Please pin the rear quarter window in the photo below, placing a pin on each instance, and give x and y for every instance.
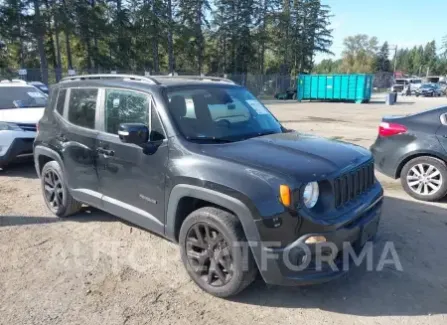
(61, 101)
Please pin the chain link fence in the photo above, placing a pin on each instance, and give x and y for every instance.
(264, 86)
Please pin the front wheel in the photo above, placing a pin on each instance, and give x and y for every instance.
(425, 178)
(215, 252)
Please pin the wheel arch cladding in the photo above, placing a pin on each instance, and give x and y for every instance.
(412, 156)
(238, 208)
(42, 155)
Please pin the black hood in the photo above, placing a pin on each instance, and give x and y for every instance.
(305, 157)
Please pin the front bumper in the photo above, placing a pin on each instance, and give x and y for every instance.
(278, 265)
(20, 148)
(426, 93)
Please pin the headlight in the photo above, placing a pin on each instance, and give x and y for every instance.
(9, 126)
(310, 194)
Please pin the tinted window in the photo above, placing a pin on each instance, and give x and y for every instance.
(21, 97)
(157, 132)
(82, 107)
(61, 101)
(213, 114)
(123, 106)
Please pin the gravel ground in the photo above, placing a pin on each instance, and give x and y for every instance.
(95, 269)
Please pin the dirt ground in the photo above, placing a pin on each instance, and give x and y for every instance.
(95, 269)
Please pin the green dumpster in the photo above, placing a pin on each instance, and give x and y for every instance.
(335, 87)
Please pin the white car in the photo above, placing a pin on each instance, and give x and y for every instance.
(21, 107)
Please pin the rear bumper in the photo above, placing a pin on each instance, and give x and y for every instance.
(279, 266)
(20, 148)
(382, 161)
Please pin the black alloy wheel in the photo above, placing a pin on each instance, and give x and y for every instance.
(215, 252)
(54, 194)
(209, 255)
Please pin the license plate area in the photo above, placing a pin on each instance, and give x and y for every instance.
(368, 230)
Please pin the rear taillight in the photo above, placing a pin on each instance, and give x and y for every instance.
(388, 129)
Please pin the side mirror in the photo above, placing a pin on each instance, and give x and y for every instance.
(136, 133)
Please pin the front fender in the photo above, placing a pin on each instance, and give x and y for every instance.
(243, 213)
(238, 207)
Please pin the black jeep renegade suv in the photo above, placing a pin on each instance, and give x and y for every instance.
(202, 162)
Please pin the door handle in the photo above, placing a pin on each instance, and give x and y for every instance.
(105, 152)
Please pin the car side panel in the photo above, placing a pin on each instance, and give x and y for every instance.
(441, 134)
(390, 153)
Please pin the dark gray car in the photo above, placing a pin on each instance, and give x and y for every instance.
(413, 148)
(202, 162)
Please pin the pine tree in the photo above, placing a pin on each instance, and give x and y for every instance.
(39, 32)
(193, 16)
(382, 61)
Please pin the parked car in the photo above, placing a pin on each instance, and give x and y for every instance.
(429, 90)
(231, 186)
(400, 84)
(21, 107)
(413, 148)
(40, 85)
(443, 87)
(290, 93)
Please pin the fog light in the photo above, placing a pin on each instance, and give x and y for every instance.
(315, 240)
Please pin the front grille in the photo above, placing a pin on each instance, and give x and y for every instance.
(350, 185)
(27, 126)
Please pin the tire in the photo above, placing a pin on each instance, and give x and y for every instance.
(414, 185)
(59, 201)
(224, 225)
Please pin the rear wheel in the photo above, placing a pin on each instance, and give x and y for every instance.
(425, 178)
(56, 195)
(214, 252)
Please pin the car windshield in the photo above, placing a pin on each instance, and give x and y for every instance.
(21, 97)
(220, 114)
(427, 86)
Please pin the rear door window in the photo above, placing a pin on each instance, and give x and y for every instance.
(82, 107)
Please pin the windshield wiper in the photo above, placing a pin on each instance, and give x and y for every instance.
(259, 134)
(209, 139)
